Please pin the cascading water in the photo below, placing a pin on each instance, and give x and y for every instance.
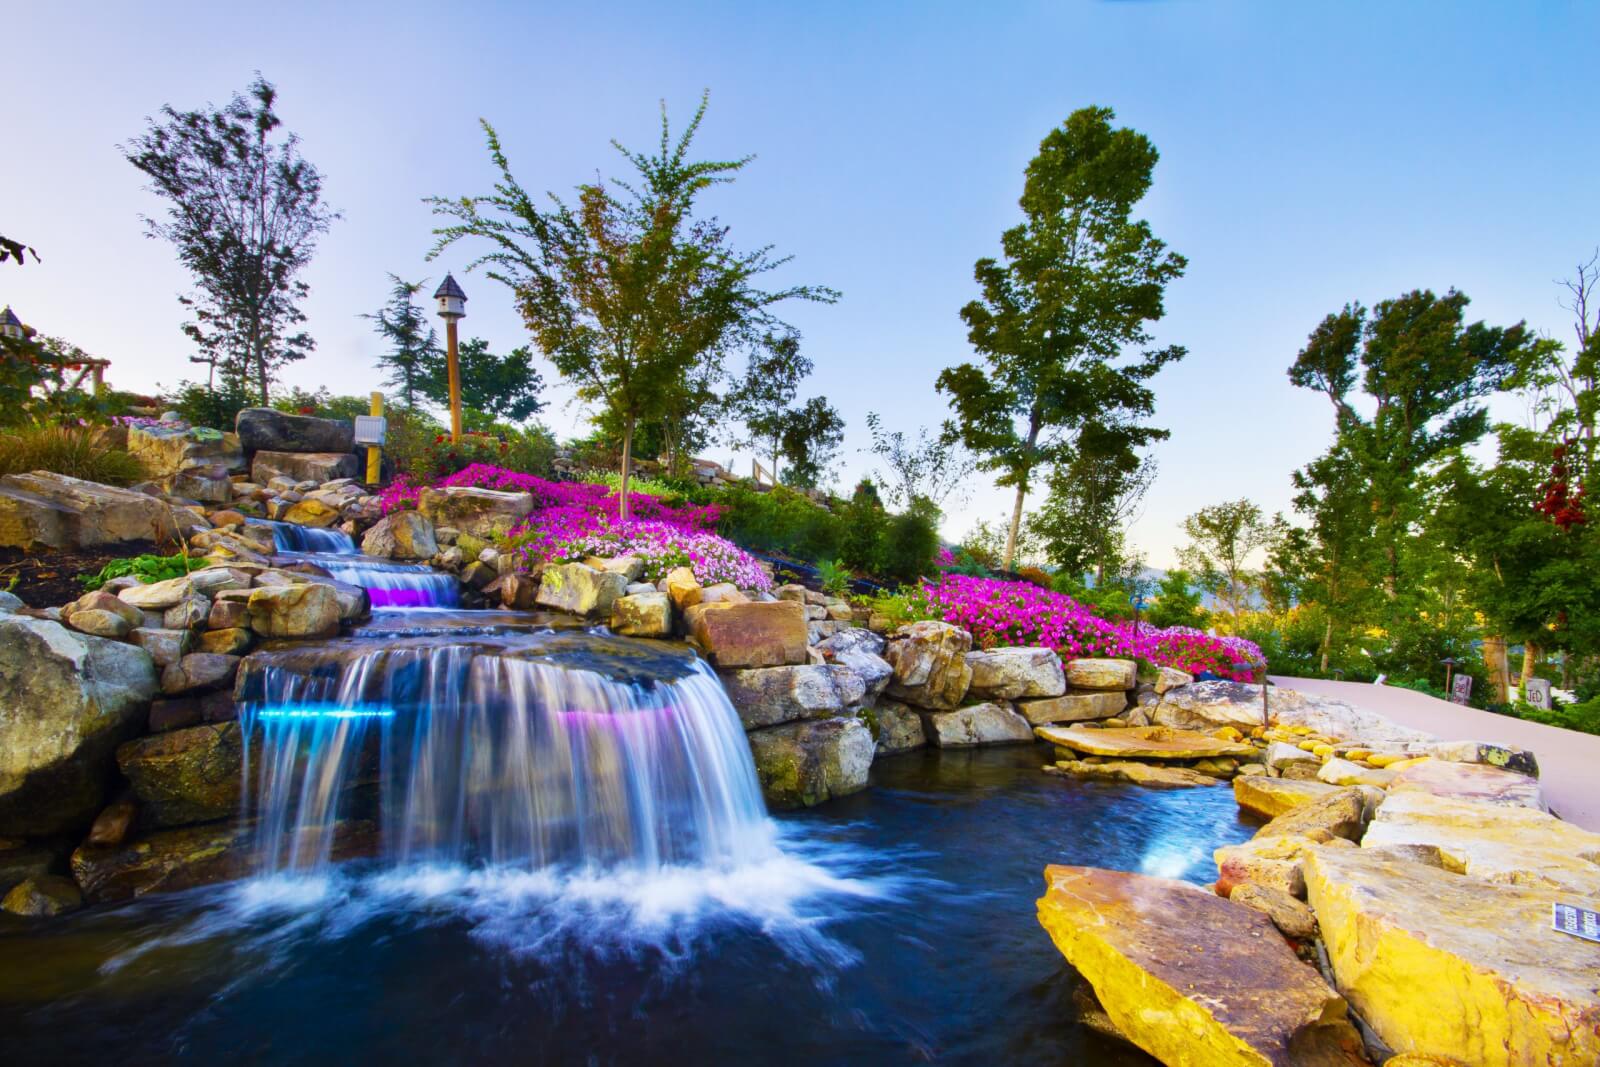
(292, 537)
(388, 584)
(532, 751)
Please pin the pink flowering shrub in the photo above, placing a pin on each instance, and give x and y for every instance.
(574, 520)
(997, 612)
(661, 545)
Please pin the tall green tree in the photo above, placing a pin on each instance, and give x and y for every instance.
(1078, 284)
(1330, 560)
(1425, 372)
(413, 353)
(1095, 491)
(506, 387)
(627, 290)
(1222, 539)
(812, 435)
(762, 398)
(244, 213)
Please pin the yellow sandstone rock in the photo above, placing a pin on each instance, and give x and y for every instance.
(1142, 742)
(1400, 765)
(1448, 966)
(1191, 978)
(1469, 781)
(1227, 733)
(1271, 797)
(1496, 842)
(1153, 776)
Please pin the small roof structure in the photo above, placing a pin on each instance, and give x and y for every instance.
(9, 317)
(448, 287)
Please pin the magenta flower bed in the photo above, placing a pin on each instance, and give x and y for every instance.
(550, 496)
(998, 612)
(572, 520)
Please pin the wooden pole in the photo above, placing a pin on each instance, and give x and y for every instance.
(374, 466)
(455, 381)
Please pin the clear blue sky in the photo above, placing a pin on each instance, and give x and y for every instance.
(1311, 154)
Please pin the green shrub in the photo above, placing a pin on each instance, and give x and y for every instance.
(910, 604)
(76, 451)
(147, 568)
(910, 542)
(864, 523)
(1584, 717)
(780, 521)
(217, 408)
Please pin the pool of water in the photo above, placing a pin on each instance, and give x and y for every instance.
(895, 926)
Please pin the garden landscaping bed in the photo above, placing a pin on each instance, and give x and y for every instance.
(50, 578)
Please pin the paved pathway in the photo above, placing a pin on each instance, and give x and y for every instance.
(1569, 762)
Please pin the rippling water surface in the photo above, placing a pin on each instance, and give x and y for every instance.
(896, 926)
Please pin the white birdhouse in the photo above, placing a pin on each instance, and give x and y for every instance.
(452, 301)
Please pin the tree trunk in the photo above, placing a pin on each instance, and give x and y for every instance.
(1327, 642)
(627, 466)
(1016, 527)
(1530, 660)
(1494, 660)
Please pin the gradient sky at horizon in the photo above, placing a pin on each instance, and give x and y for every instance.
(1311, 155)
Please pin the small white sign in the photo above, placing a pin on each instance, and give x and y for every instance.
(1539, 693)
(1579, 922)
(371, 429)
(1461, 689)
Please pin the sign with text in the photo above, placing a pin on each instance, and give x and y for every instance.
(1461, 689)
(1579, 922)
(1539, 692)
(371, 429)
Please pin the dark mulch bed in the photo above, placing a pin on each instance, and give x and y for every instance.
(49, 578)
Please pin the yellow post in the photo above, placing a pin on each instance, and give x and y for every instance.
(455, 381)
(373, 452)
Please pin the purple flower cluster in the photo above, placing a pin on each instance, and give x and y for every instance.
(661, 545)
(550, 496)
(998, 612)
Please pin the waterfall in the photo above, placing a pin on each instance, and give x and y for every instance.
(388, 584)
(527, 750)
(395, 585)
(292, 537)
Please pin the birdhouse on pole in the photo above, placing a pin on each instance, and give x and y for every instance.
(452, 308)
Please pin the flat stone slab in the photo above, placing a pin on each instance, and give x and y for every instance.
(1192, 978)
(1446, 965)
(1496, 842)
(1143, 742)
(1149, 775)
(1470, 781)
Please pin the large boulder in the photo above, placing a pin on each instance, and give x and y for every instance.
(767, 696)
(66, 701)
(312, 512)
(1143, 742)
(1448, 966)
(401, 535)
(198, 672)
(167, 450)
(267, 430)
(930, 664)
(1342, 813)
(802, 764)
(311, 609)
(993, 723)
(486, 513)
(1074, 707)
(186, 776)
(898, 728)
(862, 651)
(1271, 797)
(759, 634)
(1504, 844)
(1012, 673)
(580, 589)
(642, 615)
(1210, 705)
(304, 466)
(1191, 978)
(44, 510)
(1101, 673)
